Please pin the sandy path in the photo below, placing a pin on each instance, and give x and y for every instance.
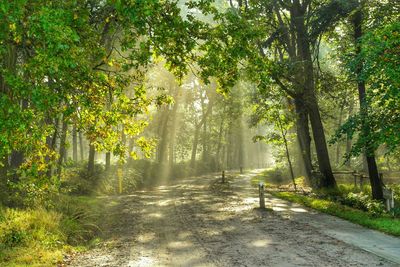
(196, 222)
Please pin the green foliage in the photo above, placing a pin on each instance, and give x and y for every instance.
(364, 202)
(30, 230)
(41, 236)
(83, 64)
(381, 61)
(272, 177)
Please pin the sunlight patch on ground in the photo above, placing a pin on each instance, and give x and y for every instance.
(164, 203)
(250, 200)
(278, 209)
(298, 210)
(279, 204)
(212, 232)
(147, 237)
(260, 243)
(155, 215)
(229, 228)
(143, 261)
(185, 234)
(180, 244)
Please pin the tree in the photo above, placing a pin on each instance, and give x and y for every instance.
(280, 51)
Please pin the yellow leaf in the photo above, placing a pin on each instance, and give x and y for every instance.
(12, 27)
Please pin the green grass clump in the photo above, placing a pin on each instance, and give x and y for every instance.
(40, 237)
(30, 237)
(383, 223)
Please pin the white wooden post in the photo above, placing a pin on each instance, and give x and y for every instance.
(389, 197)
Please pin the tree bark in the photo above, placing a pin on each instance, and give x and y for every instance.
(375, 181)
(172, 132)
(303, 137)
(298, 12)
(92, 153)
(81, 146)
(196, 135)
(62, 148)
(194, 147)
(74, 144)
(339, 143)
(163, 144)
(108, 161)
(219, 146)
(348, 139)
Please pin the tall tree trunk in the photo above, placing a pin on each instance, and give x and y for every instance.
(219, 146)
(204, 132)
(172, 132)
(229, 147)
(376, 183)
(194, 147)
(62, 148)
(327, 180)
(74, 144)
(130, 149)
(197, 128)
(92, 153)
(51, 142)
(108, 161)
(303, 138)
(338, 143)
(348, 139)
(240, 145)
(81, 146)
(163, 144)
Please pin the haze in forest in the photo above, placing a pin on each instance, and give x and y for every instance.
(119, 111)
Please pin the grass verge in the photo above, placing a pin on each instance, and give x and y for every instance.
(40, 237)
(384, 223)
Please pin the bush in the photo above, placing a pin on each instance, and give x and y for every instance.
(108, 183)
(364, 202)
(77, 181)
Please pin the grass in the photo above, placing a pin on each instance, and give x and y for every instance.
(272, 178)
(40, 237)
(384, 223)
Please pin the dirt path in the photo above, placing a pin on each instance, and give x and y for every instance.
(198, 222)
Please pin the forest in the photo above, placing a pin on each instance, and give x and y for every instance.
(112, 108)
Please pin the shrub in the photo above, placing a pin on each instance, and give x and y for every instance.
(364, 202)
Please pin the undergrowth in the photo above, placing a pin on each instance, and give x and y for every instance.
(383, 222)
(41, 236)
(346, 201)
